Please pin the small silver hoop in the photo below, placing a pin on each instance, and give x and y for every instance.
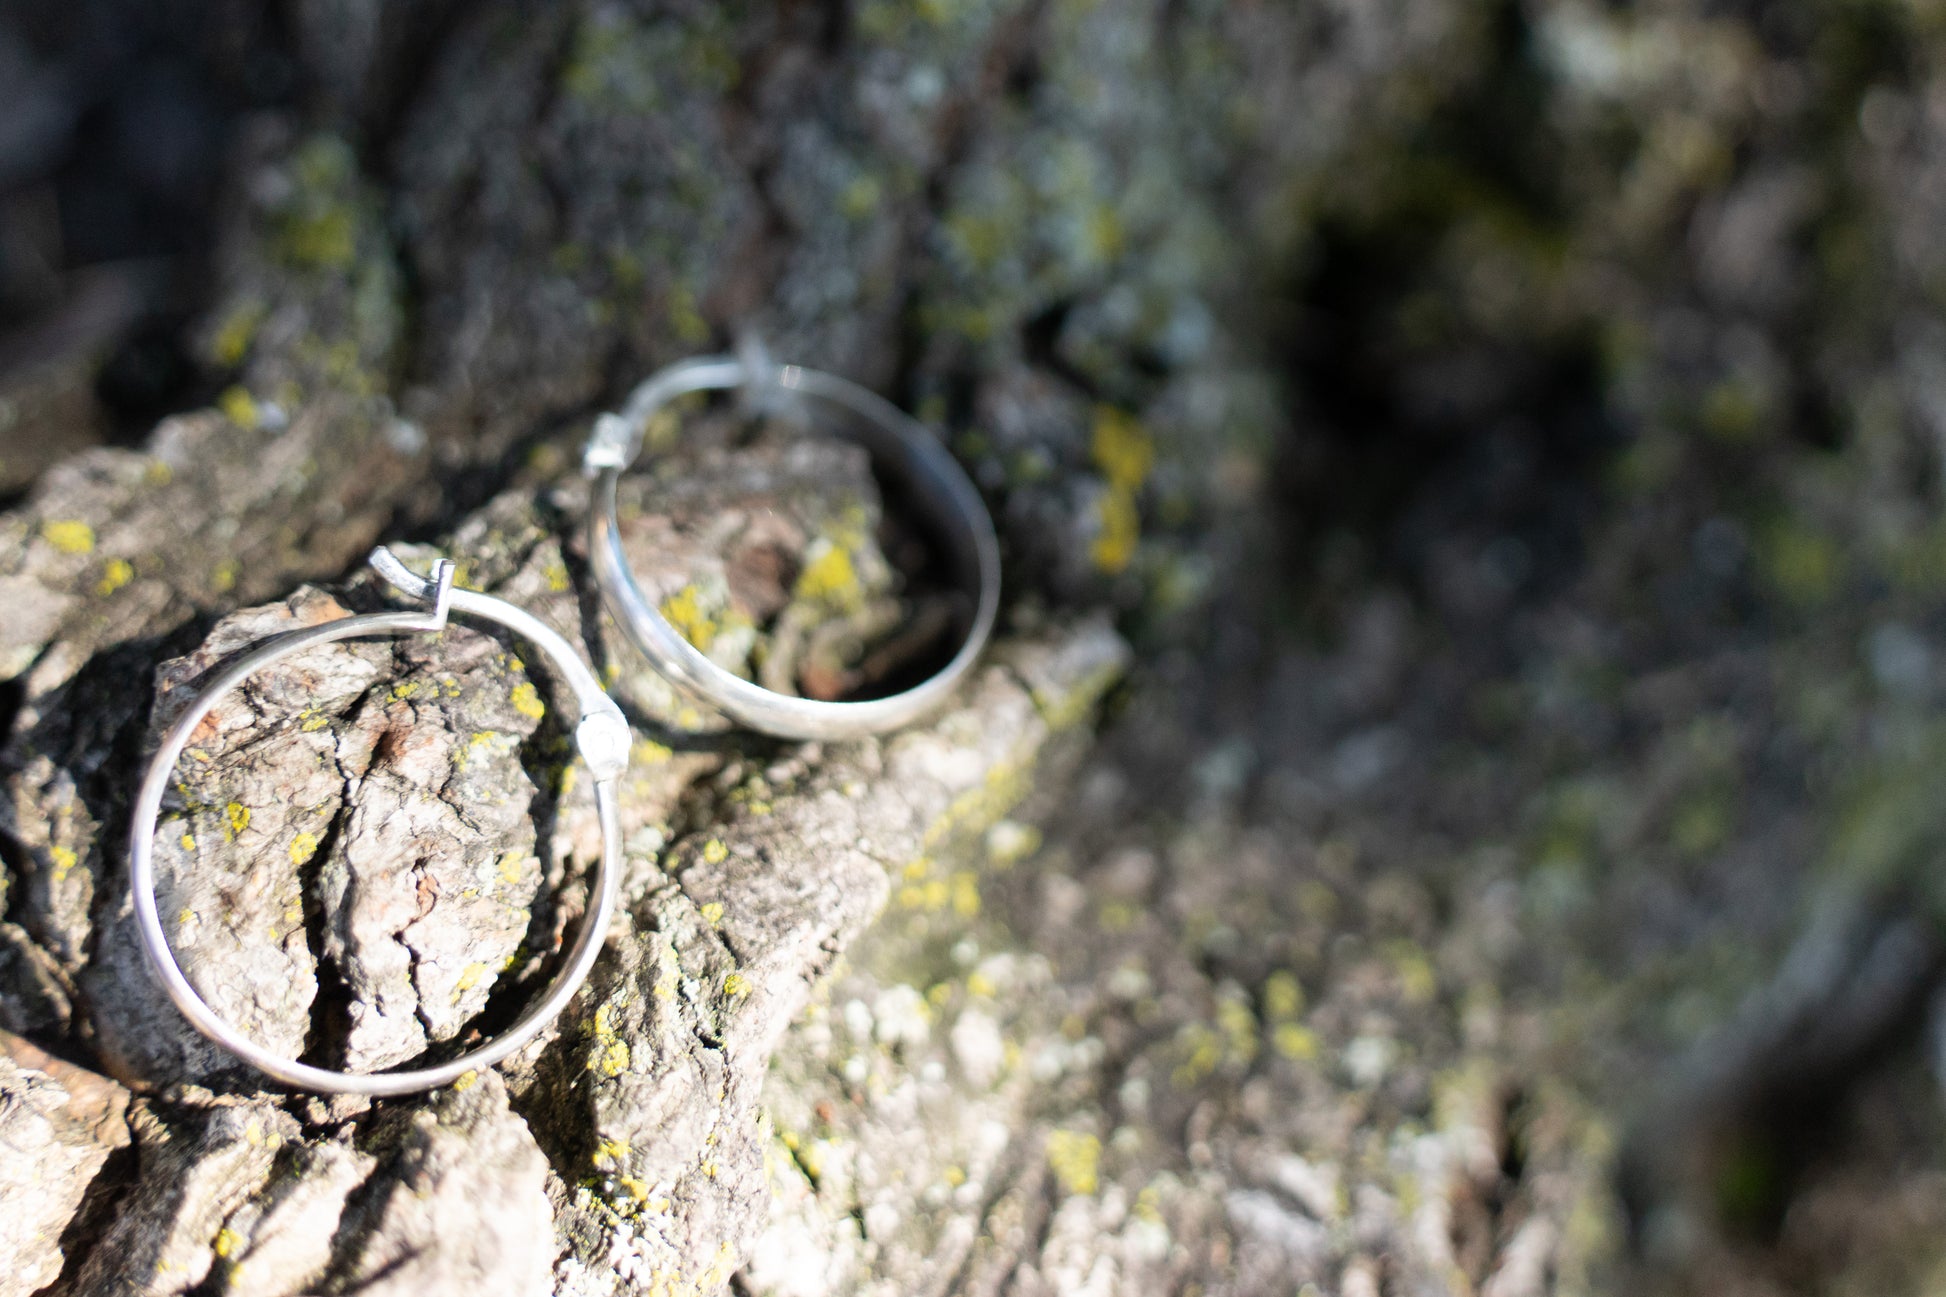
(896, 440)
(601, 735)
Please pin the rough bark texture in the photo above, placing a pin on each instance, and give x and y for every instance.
(1510, 435)
(371, 839)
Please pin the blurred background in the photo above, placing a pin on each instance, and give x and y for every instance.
(1511, 432)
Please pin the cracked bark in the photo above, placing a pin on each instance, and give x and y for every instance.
(492, 219)
(372, 852)
(403, 780)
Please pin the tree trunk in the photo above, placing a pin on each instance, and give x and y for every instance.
(503, 218)
(1499, 426)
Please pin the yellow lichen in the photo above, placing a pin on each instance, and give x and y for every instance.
(239, 407)
(223, 578)
(228, 1241)
(1069, 708)
(469, 977)
(1009, 843)
(1118, 531)
(466, 1081)
(1202, 1051)
(981, 238)
(527, 701)
(1125, 455)
(1075, 1158)
(966, 894)
(233, 337)
(1418, 982)
(1804, 565)
(69, 535)
(118, 573)
(1120, 448)
(1239, 1030)
(484, 745)
(714, 852)
(736, 984)
(1283, 996)
(713, 913)
(64, 861)
(303, 847)
(860, 198)
(611, 1054)
(1103, 234)
(321, 240)
(976, 809)
(1294, 1042)
(930, 895)
(509, 867)
(684, 317)
(684, 611)
(238, 817)
(829, 577)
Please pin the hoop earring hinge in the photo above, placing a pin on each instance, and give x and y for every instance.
(436, 589)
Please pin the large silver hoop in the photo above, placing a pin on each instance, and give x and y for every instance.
(601, 735)
(898, 442)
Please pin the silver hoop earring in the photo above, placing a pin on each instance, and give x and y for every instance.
(898, 443)
(601, 736)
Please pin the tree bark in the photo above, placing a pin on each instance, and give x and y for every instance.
(1505, 428)
(377, 847)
